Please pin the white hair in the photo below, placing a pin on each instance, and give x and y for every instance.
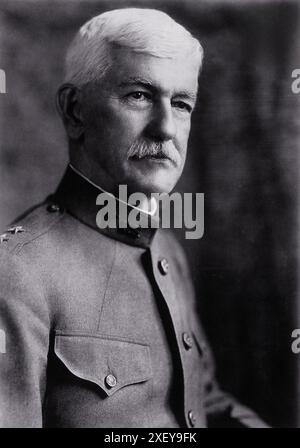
(141, 30)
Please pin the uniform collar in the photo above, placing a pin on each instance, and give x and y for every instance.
(77, 195)
(101, 190)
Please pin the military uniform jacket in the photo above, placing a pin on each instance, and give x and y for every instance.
(100, 326)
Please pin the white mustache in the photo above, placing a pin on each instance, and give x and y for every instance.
(143, 148)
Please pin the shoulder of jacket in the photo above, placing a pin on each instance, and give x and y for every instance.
(33, 224)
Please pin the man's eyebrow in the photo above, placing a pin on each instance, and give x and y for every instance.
(146, 83)
(136, 81)
(186, 94)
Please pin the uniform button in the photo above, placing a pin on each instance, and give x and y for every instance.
(163, 266)
(187, 341)
(111, 380)
(53, 208)
(192, 418)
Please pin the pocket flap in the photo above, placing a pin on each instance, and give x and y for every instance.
(108, 362)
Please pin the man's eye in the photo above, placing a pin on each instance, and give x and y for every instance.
(181, 105)
(139, 96)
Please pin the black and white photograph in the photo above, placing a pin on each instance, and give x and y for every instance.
(149, 216)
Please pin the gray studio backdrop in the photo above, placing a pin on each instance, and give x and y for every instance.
(243, 155)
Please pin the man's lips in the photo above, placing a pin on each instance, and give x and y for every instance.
(150, 156)
(153, 157)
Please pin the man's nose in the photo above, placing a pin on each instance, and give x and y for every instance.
(162, 125)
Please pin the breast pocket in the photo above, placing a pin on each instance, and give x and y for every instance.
(110, 363)
(94, 380)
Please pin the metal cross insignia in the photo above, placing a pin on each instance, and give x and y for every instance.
(3, 237)
(16, 229)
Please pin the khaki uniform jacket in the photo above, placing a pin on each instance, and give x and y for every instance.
(100, 326)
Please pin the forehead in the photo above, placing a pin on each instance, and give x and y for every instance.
(165, 74)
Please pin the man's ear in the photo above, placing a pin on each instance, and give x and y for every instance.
(68, 103)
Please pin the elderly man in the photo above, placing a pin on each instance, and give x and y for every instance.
(100, 324)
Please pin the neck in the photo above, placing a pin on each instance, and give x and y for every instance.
(148, 205)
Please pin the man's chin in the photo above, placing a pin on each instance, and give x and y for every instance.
(153, 186)
(155, 178)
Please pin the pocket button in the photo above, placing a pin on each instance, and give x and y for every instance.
(110, 380)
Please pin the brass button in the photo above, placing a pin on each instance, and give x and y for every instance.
(192, 418)
(187, 341)
(111, 380)
(163, 266)
(52, 208)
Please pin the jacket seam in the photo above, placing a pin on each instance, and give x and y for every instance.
(107, 284)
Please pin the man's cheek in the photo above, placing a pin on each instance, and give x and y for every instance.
(181, 144)
(183, 130)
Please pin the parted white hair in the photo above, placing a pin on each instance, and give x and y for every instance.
(141, 30)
